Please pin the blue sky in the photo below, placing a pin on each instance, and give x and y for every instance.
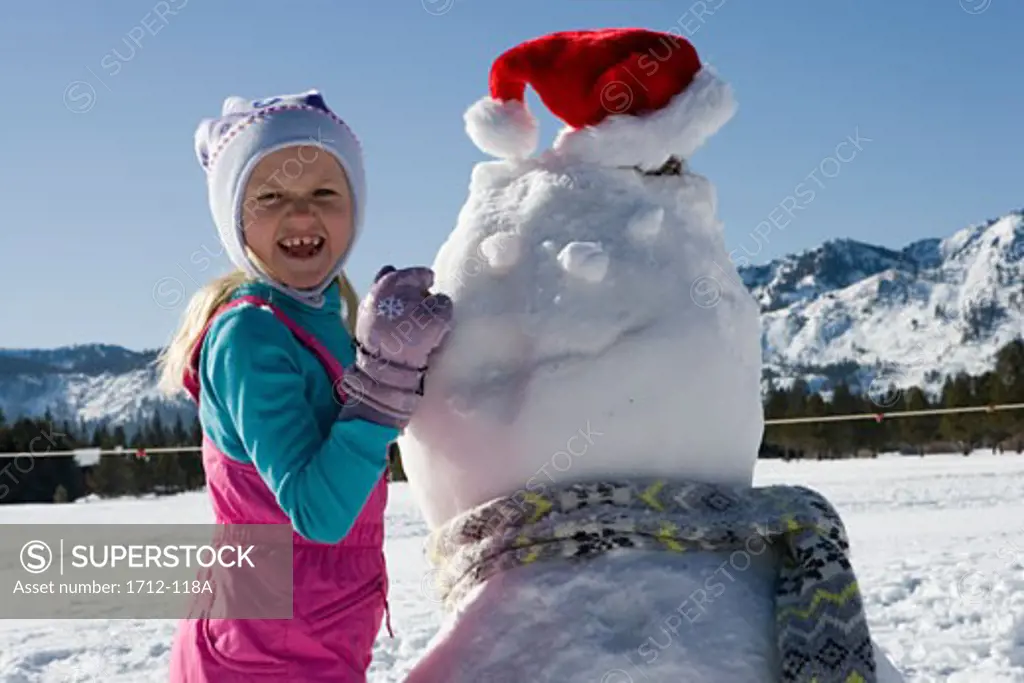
(107, 229)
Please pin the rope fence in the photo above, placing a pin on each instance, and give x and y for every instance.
(138, 452)
(877, 417)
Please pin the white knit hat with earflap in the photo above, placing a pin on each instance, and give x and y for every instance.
(230, 146)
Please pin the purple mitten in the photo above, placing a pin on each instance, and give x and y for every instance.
(398, 325)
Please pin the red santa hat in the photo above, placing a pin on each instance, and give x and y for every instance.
(629, 97)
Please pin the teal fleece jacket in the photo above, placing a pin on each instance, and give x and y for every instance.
(268, 401)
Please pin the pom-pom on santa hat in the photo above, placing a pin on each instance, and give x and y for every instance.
(629, 97)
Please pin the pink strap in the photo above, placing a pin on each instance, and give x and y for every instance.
(334, 369)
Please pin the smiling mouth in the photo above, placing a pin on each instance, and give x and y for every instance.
(301, 247)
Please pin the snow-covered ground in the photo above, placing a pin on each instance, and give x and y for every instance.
(938, 543)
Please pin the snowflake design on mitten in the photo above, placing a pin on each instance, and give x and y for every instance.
(390, 307)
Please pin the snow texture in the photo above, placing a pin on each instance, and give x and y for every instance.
(601, 349)
(936, 542)
(892, 314)
(584, 354)
(584, 260)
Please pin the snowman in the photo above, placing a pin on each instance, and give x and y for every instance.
(585, 448)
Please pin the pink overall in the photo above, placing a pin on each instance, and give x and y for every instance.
(340, 590)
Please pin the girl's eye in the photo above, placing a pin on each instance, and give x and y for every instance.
(325, 192)
(268, 197)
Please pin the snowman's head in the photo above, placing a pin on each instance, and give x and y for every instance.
(600, 328)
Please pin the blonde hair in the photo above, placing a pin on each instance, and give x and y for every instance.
(174, 360)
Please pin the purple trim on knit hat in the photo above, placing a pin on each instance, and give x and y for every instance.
(228, 129)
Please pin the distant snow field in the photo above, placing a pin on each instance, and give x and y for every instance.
(938, 544)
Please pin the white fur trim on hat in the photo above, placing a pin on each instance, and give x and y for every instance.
(678, 129)
(502, 129)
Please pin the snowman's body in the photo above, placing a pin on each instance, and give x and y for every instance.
(632, 618)
(601, 332)
(614, 363)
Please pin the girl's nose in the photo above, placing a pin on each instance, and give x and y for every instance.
(300, 208)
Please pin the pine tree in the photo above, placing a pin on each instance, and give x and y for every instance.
(776, 408)
(843, 437)
(190, 462)
(1010, 370)
(141, 467)
(988, 389)
(112, 476)
(815, 435)
(70, 437)
(101, 437)
(179, 436)
(956, 427)
(920, 430)
(167, 473)
(796, 406)
(6, 440)
(155, 435)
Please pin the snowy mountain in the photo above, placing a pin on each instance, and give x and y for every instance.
(872, 316)
(844, 310)
(90, 384)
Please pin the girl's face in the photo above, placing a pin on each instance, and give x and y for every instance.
(297, 215)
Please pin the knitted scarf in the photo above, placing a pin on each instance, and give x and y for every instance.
(822, 631)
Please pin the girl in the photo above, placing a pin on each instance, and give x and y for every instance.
(262, 351)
